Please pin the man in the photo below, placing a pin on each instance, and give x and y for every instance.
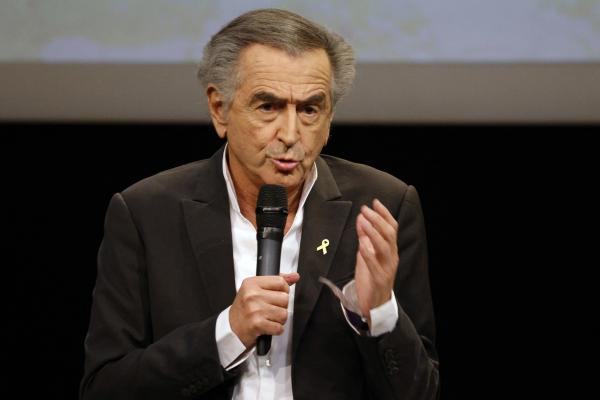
(177, 309)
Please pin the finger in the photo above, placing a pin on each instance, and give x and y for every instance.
(271, 328)
(380, 256)
(274, 297)
(365, 248)
(359, 226)
(275, 314)
(272, 282)
(291, 278)
(385, 229)
(256, 300)
(266, 315)
(365, 228)
(380, 246)
(264, 323)
(385, 213)
(367, 252)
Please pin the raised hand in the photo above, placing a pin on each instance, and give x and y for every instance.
(377, 256)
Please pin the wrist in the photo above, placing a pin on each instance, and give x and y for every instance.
(384, 297)
(246, 340)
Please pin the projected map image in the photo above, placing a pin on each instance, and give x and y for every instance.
(173, 31)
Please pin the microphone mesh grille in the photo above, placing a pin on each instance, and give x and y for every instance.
(271, 207)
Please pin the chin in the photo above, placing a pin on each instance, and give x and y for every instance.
(289, 180)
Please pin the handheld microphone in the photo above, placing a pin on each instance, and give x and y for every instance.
(271, 214)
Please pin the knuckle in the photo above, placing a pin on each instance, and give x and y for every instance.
(245, 283)
(283, 315)
(252, 308)
(390, 230)
(255, 320)
(283, 286)
(285, 299)
(247, 296)
(277, 329)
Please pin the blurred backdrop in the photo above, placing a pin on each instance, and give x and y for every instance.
(489, 108)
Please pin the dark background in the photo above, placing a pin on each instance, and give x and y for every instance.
(511, 222)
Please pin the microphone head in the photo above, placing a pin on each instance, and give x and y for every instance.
(271, 207)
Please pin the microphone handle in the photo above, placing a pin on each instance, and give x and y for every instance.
(267, 263)
(263, 344)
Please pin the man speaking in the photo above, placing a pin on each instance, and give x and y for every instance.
(178, 307)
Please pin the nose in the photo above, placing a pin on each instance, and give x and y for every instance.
(288, 131)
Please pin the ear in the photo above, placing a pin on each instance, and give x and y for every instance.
(217, 110)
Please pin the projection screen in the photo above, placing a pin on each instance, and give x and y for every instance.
(432, 61)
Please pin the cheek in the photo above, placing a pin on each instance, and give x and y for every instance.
(316, 139)
(250, 134)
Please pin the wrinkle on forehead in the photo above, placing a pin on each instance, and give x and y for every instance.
(264, 68)
(291, 93)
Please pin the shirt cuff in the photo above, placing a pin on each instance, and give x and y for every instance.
(383, 317)
(230, 347)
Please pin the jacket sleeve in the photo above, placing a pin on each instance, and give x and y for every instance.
(403, 363)
(122, 359)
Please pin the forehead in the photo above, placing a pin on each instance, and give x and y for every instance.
(266, 68)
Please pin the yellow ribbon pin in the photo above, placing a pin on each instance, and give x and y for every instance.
(323, 246)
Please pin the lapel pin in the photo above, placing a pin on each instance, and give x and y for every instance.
(323, 246)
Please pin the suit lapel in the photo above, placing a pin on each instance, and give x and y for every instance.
(325, 216)
(209, 230)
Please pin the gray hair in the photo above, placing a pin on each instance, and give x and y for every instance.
(280, 29)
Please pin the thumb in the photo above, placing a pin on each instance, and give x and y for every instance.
(291, 278)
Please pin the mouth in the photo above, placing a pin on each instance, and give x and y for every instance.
(285, 165)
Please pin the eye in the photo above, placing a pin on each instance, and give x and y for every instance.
(310, 110)
(267, 107)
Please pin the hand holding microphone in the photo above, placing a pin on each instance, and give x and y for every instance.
(260, 307)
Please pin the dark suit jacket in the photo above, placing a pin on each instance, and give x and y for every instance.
(165, 272)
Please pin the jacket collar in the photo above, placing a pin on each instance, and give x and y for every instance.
(209, 229)
(325, 215)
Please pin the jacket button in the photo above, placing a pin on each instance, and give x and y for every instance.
(185, 392)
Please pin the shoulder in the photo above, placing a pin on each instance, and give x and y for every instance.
(361, 184)
(178, 182)
(353, 178)
(156, 200)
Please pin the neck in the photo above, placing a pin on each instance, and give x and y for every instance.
(247, 198)
(247, 195)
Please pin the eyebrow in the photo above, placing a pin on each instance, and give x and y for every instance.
(318, 99)
(268, 97)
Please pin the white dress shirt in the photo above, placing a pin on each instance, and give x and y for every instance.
(269, 376)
